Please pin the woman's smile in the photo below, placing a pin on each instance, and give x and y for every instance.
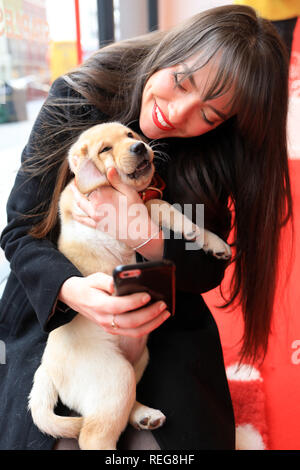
(160, 119)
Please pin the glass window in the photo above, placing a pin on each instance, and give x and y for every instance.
(39, 41)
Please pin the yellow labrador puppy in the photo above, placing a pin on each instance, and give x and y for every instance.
(88, 368)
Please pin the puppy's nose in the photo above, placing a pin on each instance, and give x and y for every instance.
(138, 148)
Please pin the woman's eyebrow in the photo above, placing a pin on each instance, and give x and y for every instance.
(218, 112)
(190, 77)
(188, 74)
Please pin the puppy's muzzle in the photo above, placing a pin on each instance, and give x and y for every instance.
(141, 153)
(138, 148)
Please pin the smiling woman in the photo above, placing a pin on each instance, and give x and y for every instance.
(212, 95)
(180, 108)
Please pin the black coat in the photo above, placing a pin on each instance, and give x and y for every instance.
(185, 377)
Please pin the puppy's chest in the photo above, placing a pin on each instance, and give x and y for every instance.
(89, 237)
(93, 249)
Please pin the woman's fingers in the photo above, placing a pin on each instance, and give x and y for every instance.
(115, 180)
(82, 202)
(139, 322)
(134, 315)
(121, 305)
(85, 220)
(93, 297)
(135, 319)
(101, 281)
(136, 332)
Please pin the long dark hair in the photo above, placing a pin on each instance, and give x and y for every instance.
(243, 161)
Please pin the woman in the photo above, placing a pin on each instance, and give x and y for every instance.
(213, 94)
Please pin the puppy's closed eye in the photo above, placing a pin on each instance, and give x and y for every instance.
(105, 149)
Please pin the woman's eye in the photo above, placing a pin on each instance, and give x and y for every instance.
(105, 149)
(211, 123)
(177, 82)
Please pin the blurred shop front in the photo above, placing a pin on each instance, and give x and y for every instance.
(31, 54)
(39, 41)
(43, 39)
(24, 39)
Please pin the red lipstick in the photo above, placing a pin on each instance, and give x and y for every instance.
(160, 119)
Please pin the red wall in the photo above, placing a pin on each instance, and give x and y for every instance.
(281, 369)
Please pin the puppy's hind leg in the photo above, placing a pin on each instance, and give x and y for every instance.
(100, 433)
(108, 418)
(141, 416)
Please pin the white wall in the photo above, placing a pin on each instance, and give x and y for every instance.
(171, 12)
(133, 18)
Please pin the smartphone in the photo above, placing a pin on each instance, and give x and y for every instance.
(155, 277)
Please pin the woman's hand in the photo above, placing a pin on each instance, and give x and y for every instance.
(117, 210)
(92, 297)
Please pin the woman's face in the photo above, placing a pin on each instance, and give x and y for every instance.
(170, 109)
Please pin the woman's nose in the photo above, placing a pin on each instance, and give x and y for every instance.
(181, 108)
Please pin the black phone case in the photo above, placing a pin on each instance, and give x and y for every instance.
(155, 277)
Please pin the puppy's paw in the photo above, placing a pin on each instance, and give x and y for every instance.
(215, 246)
(147, 418)
(193, 234)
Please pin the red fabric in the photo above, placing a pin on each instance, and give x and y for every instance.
(249, 404)
(154, 190)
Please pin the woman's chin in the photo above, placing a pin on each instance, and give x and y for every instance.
(150, 130)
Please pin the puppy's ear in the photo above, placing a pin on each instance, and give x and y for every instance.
(88, 177)
(76, 155)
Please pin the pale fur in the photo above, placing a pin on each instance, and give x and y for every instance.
(93, 372)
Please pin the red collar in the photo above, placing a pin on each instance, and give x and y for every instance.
(154, 190)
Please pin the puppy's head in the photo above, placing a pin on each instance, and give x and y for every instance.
(110, 145)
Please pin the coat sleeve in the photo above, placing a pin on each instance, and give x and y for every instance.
(40, 268)
(196, 271)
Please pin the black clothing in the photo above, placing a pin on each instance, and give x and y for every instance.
(285, 29)
(185, 377)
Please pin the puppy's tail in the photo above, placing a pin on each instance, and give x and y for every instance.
(42, 400)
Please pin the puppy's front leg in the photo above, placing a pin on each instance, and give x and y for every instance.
(168, 216)
(216, 246)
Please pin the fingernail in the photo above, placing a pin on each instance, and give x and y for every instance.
(146, 298)
(111, 171)
(162, 306)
